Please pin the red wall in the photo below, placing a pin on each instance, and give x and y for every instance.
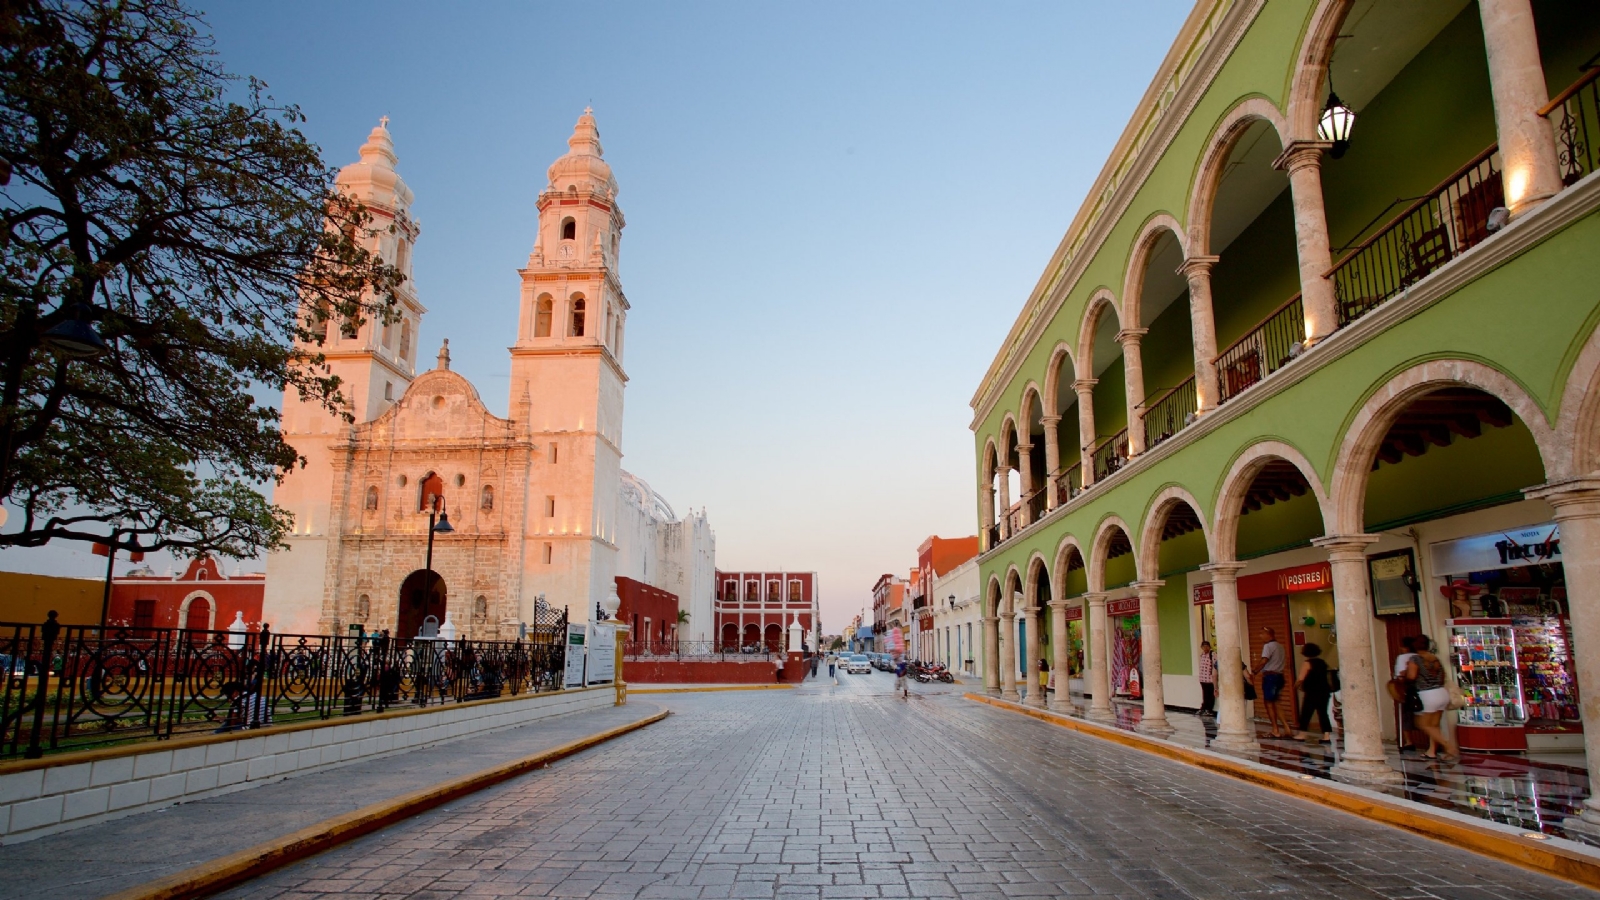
(669, 671)
(647, 602)
(230, 595)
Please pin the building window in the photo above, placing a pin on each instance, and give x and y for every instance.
(555, 453)
(752, 591)
(405, 340)
(541, 318)
(549, 550)
(372, 497)
(549, 507)
(432, 486)
(388, 391)
(772, 592)
(144, 615)
(578, 307)
(730, 590)
(350, 329)
(569, 229)
(487, 504)
(794, 592)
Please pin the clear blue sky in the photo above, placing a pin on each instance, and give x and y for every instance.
(835, 211)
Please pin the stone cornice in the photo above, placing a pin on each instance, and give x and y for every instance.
(595, 349)
(1512, 241)
(1140, 148)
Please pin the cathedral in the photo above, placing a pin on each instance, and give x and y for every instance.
(538, 506)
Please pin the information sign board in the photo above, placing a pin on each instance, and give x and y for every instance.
(576, 655)
(602, 653)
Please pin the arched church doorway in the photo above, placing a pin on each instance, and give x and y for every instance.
(421, 595)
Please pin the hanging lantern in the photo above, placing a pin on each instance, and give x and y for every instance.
(1337, 121)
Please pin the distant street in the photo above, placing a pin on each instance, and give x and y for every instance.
(848, 792)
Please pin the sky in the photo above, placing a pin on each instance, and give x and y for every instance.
(835, 212)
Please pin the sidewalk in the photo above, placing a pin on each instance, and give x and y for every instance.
(123, 853)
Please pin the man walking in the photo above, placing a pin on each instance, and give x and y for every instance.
(900, 678)
(1271, 670)
(1208, 679)
(833, 666)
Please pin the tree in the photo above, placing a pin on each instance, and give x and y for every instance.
(179, 212)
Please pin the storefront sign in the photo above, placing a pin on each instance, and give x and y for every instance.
(1315, 577)
(1203, 594)
(575, 655)
(1074, 613)
(1499, 550)
(1127, 606)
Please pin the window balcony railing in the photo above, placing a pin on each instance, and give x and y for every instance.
(1111, 455)
(1436, 228)
(1170, 413)
(1577, 127)
(1265, 349)
(1069, 483)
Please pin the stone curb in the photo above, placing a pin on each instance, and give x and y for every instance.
(211, 877)
(715, 687)
(1553, 856)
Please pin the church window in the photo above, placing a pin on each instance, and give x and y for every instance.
(432, 486)
(487, 504)
(554, 453)
(549, 550)
(541, 319)
(388, 391)
(363, 608)
(405, 340)
(569, 229)
(613, 246)
(480, 607)
(606, 335)
(461, 481)
(372, 497)
(578, 307)
(549, 507)
(402, 256)
(350, 328)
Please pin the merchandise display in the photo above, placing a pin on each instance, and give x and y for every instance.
(1485, 656)
(1549, 691)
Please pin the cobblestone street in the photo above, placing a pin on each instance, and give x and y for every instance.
(849, 792)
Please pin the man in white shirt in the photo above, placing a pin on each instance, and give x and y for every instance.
(1271, 671)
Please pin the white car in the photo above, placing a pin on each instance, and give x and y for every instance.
(858, 665)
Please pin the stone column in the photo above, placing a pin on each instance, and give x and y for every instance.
(1155, 696)
(1005, 502)
(1008, 656)
(1363, 761)
(986, 513)
(1303, 161)
(1052, 460)
(1062, 701)
(991, 655)
(1577, 504)
(1531, 173)
(1235, 732)
(1100, 672)
(1035, 693)
(1203, 325)
(1133, 368)
(1025, 470)
(1084, 387)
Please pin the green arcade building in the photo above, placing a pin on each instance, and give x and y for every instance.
(1320, 353)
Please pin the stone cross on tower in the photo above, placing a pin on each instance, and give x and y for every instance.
(444, 355)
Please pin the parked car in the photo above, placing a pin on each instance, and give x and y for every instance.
(858, 665)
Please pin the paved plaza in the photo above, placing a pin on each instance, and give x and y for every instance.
(849, 792)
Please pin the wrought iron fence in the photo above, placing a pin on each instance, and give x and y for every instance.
(1436, 228)
(696, 650)
(1578, 126)
(1170, 413)
(1069, 483)
(1265, 349)
(70, 687)
(1111, 455)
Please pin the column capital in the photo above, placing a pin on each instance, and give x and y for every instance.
(1152, 586)
(1084, 385)
(1345, 546)
(1024, 450)
(1223, 571)
(1131, 334)
(1197, 265)
(1050, 420)
(1030, 611)
(1095, 598)
(1008, 616)
(990, 620)
(1300, 154)
(1572, 497)
(1058, 603)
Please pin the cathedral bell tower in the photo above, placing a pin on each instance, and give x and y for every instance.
(375, 363)
(567, 378)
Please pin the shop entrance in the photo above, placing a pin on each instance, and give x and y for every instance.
(1272, 612)
(422, 594)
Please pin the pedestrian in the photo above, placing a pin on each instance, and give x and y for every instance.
(1404, 693)
(833, 666)
(1317, 689)
(777, 666)
(1427, 672)
(816, 659)
(900, 678)
(1044, 677)
(1271, 671)
(1208, 680)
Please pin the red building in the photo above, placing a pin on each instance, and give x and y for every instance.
(651, 613)
(202, 598)
(756, 608)
(936, 558)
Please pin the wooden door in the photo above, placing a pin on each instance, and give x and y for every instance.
(1397, 629)
(1272, 612)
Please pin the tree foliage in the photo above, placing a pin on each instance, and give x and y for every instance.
(180, 211)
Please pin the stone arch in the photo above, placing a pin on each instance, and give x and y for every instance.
(1011, 587)
(1100, 548)
(1155, 519)
(1208, 176)
(1100, 301)
(1008, 439)
(1372, 421)
(1133, 280)
(1579, 423)
(1236, 483)
(211, 614)
(1032, 395)
(991, 603)
(1064, 550)
(1311, 68)
(1060, 355)
(1036, 564)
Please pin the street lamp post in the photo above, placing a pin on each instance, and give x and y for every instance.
(438, 523)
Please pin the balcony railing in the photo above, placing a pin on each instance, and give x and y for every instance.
(1069, 483)
(1111, 455)
(1436, 228)
(1263, 350)
(1577, 126)
(1170, 413)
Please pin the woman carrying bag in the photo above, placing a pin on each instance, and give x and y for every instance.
(1427, 673)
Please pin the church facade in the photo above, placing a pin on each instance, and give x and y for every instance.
(538, 505)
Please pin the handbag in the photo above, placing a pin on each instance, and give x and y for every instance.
(1249, 691)
(1458, 700)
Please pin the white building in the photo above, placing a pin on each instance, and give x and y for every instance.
(958, 619)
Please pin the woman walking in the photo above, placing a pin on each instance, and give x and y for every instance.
(1427, 672)
(1314, 685)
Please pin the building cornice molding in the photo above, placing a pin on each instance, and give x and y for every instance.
(1095, 220)
(1521, 235)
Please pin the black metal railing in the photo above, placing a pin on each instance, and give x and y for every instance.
(697, 650)
(1170, 413)
(1436, 228)
(1069, 483)
(1577, 127)
(1111, 455)
(1263, 350)
(69, 687)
